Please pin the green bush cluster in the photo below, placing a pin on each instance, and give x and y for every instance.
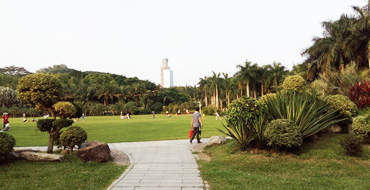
(243, 110)
(352, 144)
(72, 137)
(266, 98)
(361, 125)
(7, 142)
(295, 82)
(342, 103)
(283, 133)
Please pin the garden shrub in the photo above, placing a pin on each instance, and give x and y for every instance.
(306, 110)
(360, 94)
(361, 125)
(295, 82)
(243, 109)
(209, 110)
(245, 122)
(342, 103)
(65, 109)
(352, 144)
(7, 142)
(283, 133)
(72, 136)
(266, 97)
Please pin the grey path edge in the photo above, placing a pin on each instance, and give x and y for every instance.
(159, 165)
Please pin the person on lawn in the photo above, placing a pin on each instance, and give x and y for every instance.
(196, 123)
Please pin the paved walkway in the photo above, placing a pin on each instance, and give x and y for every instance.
(164, 165)
(159, 165)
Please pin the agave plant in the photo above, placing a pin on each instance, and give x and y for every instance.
(306, 110)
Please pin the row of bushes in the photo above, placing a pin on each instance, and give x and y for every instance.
(71, 137)
(284, 119)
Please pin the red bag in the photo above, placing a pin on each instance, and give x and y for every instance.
(190, 133)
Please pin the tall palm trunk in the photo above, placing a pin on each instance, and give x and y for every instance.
(241, 88)
(247, 89)
(261, 89)
(216, 97)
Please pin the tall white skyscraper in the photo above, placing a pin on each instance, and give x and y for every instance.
(166, 75)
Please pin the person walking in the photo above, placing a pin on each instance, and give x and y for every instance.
(217, 116)
(153, 114)
(196, 124)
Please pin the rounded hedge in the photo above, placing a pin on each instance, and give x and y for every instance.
(242, 110)
(361, 125)
(283, 133)
(72, 136)
(342, 103)
(7, 142)
(295, 82)
(352, 144)
(267, 97)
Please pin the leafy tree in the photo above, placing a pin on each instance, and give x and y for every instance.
(245, 74)
(13, 70)
(7, 96)
(41, 89)
(53, 127)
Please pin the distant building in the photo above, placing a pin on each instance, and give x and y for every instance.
(166, 75)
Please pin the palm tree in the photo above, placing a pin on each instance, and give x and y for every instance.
(228, 87)
(203, 86)
(214, 83)
(277, 72)
(246, 73)
(264, 73)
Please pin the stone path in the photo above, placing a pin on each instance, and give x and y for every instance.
(159, 165)
(164, 165)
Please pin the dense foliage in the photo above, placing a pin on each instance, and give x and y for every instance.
(342, 103)
(352, 144)
(65, 109)
(295, 82)
(7, 142)
(244, 109)
(360, 94)
(72, 137)
(361, 125)
(306, 110)
(283, 133)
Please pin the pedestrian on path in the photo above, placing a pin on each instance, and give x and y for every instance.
(196, 124)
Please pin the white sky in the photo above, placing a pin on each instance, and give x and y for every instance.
(131, 37)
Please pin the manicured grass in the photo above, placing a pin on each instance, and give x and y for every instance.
(320, 165)
(70, 174)
(112, 129)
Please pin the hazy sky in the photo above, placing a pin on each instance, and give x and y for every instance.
(131, 37)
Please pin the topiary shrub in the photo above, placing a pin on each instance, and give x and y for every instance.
(243, 110)
(283, 133)
(53, 127)
(7, 142)
(295, 82)
(342, 103)
(65, 109)
(72, 136)
(361, 125)
(352, 144)
(266, 98)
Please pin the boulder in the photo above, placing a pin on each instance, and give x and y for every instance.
(216, 140)
(94, 151)
(35, 156)
(334, 129)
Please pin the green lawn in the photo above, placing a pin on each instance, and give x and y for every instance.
(70, 174)
(112, 129)
(320, 165)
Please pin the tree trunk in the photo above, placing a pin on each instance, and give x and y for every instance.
(52, 113)
(261, 89)
(51, 142)
(228, 99)
(216, 97)
(247, 89)
(241, 89)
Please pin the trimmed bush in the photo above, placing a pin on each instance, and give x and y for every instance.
(72, 136)
(243, 110)
(7, 142)
(283, 133)
(295, 82)
(352, 144)
(361, 125)
(342, 103)
(267, 97)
